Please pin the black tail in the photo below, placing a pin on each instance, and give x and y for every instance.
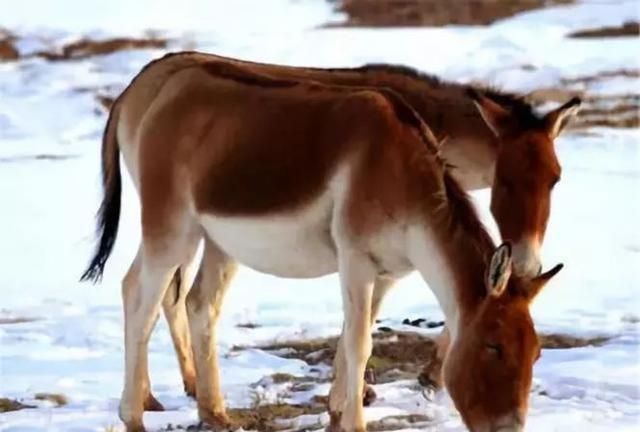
(109, 213)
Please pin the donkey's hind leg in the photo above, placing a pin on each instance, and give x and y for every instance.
(431, 376)
(204, 304)
(175, 311)
(143, 289)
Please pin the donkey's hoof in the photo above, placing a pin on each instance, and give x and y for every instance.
(152, 404)
(190, 388)
(135, 427)
(334, 422)
(430, 382)
(369, 395)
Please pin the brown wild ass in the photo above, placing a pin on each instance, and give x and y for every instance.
(498, 142)
(300, 180)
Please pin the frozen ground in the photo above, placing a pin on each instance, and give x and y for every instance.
(50, 126)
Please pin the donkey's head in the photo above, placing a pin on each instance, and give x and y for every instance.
(488, 368)
(526, 171)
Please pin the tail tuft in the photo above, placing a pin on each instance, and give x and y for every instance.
(109, 212)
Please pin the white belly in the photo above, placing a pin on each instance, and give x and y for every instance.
(294, 245)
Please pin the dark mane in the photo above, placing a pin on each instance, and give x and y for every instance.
(515, 103)
(407, 115)
(463, 215)
(407, 71)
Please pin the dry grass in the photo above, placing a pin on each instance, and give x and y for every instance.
(563, 341)
(631, 28)
(400, 13)
(263, 418)
(398, 355)
(393, 354)
(268, 418)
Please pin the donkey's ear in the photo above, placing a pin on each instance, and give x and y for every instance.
(495, 116)
(499, 270)
(557, 119)
(538, 282)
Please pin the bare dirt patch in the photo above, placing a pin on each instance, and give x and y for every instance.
(263, 418)
(269, 418)
(402, 355)
(631, 28)
(7, 405)
(401, 13)
(79, 49)
(8, 50)
(56, 399)
(84, 48)
(396, 355)
(564, 341)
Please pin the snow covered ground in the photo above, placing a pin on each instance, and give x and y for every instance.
(50, 128)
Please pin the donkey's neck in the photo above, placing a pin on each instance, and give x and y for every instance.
(448, 245)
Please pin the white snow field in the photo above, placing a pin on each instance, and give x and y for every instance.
(50, 129)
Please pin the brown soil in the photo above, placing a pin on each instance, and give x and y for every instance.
(56, 399)
(8, 50)
(87, 48)
(7, 405)
(79, 49)
(631, 28)
(400, 13)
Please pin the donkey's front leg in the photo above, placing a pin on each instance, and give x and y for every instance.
(357, 275)
(381, 286)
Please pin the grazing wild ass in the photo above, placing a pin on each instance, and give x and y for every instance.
(498, 142)
(301, 180)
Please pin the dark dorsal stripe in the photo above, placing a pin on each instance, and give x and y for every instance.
(516, 104)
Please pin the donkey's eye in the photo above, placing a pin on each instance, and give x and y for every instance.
(495, 349)
(507, 186)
